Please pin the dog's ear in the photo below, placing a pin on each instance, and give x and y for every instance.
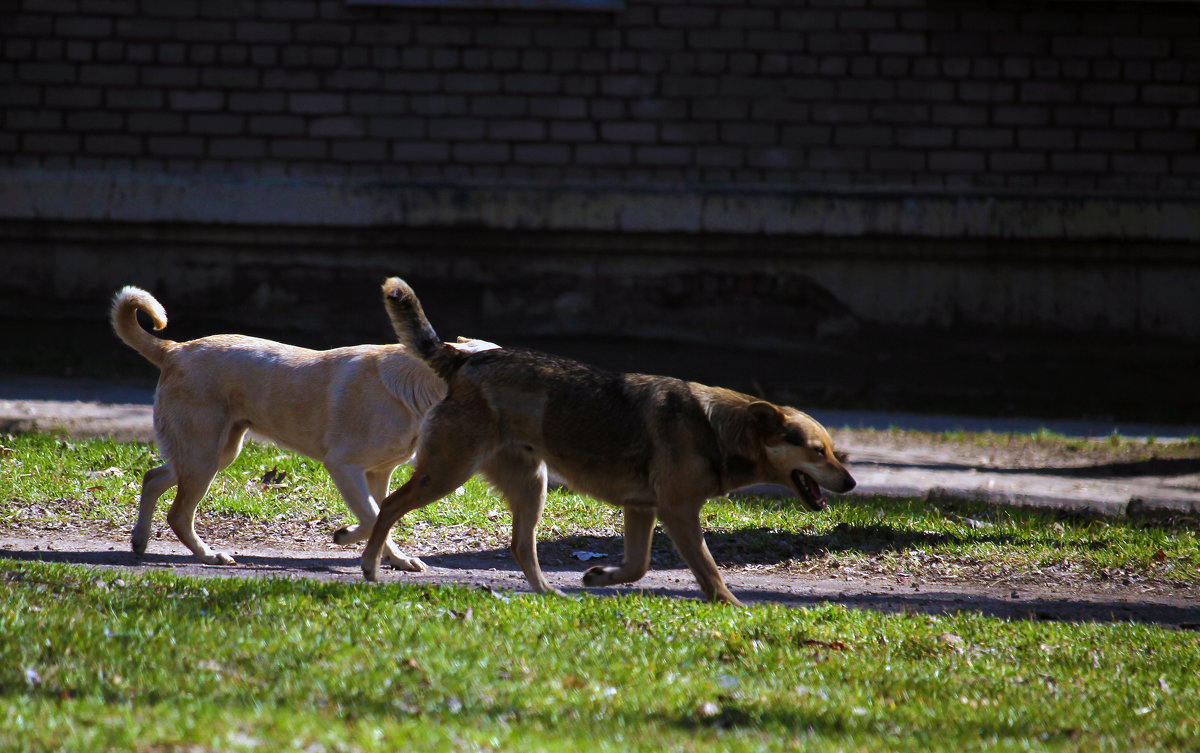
(766, 418)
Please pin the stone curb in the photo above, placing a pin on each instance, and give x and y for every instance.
(132, 422)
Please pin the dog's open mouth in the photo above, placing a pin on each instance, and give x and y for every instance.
(809, 490)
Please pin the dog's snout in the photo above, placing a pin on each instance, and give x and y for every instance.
(848, 483)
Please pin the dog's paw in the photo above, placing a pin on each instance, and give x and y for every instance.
(407, 564)
(370, 574)
(139, 546)
(217, 558)
(724, 597)
(597, 576)
(344, 536)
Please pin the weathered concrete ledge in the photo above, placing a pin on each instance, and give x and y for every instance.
(154, 198)
(890, 472)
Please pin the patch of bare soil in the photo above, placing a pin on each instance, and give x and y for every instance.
(291, 549)
(1124, 458)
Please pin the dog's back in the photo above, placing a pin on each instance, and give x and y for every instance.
(604, 432)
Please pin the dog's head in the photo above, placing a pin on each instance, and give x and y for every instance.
(799, 453)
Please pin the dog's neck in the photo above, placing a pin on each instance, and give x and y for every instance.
(738, 471)
(734, 435)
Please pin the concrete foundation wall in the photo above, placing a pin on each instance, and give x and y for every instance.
(644, 264)
(765, 170)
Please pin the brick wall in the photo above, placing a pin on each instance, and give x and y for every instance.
(809, 177)
(896, 94)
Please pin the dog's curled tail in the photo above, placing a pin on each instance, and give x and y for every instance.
(414, 330)
(125, 306)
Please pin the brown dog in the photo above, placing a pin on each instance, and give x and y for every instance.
(354, 409)
(656, 446)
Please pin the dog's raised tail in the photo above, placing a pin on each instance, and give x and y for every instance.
(414, 330)
(125, 306)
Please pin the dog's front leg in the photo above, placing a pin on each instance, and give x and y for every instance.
(682, 520)
(639, 530)
(359, 488)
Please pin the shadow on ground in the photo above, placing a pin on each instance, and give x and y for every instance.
(495, 569)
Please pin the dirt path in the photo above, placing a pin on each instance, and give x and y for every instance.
(1118, 481)
(301, 553)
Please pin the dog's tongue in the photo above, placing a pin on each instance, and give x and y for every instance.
(810, 490)
(818, 500)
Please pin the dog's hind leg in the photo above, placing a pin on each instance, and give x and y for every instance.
(158, 480)
(521, 478)
(154, 484)
(682, 520)
(359, 488)
(453, 442)
(377, 484)
(421, 489)
(639, 529)
(182, 515)
(195, 464)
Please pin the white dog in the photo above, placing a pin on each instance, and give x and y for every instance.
(356, 410)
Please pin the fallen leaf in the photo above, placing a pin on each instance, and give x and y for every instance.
(106, 473)
(832, 645)
(952, 641)
(707, 710)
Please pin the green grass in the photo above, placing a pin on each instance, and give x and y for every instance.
(1114, 445)
(49, 481)
(93, 660)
